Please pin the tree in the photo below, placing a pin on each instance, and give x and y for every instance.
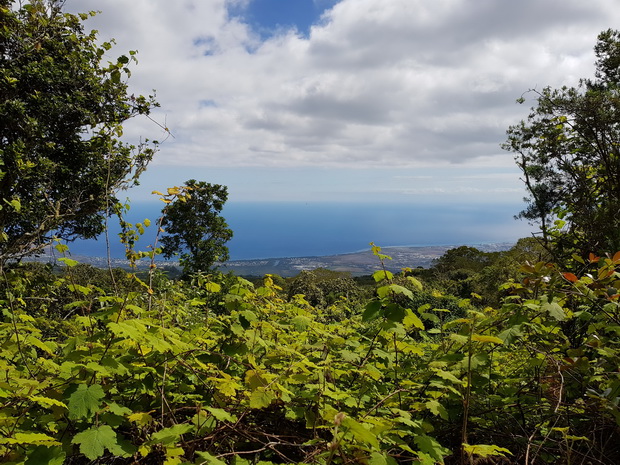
(62, 106)
(568, 150)
(193, 227)
(322, 287)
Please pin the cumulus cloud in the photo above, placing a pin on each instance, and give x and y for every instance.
(403, 83)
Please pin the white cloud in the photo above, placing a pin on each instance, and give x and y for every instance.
(403, 83)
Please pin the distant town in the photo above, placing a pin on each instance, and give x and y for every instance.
(356, 263)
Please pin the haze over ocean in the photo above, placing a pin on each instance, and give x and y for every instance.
(274, 230)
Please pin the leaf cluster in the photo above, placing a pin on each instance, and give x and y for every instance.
(63, 106)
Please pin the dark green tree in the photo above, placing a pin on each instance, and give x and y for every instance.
(323, 287)
(194, 228)
(62, 106)
(568, 151)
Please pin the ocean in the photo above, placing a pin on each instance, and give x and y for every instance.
(275, 230)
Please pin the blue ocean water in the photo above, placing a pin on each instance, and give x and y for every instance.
(273, 230)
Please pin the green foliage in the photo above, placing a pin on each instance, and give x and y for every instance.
(85, 401)
(217, 369)
(63, 106)
(94, 441)
(193, 226)
(568, 153)
(322, 287)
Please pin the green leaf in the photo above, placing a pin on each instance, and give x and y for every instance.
(213, 287)
(85, 401)
(78, 288)
(396, 289)
(42, 455)
(129, 329)
(301, 322)
(377, 458)
(395, 313)
(172, 435)
(94, 441)
(261, 398)
(119, 410)
(360, 433)
(485, 450)
(30, 438)
(485, 339)
(430, 446)
(68, 261)
(221, 414)
(141, 418)
(411, 320)
(372, 310)
(448, 376)
(437, 409)
(417, 284)
(47, 402)
(381, 275)
(208, 459)
(511, 334)
(554, 310)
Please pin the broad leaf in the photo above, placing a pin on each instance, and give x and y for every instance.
(382, 275)
(372, 310)
(94, 441)
(172, 435)
(208, 459)
(411, 320)
(483, 338)
(554, 310)
(85, 401)
(485, 450)
(359, 432)
(43, 455)
(261, 398)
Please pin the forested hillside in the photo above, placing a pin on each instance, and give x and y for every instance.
(485, 358)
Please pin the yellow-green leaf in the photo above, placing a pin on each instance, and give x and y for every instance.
(485, 450)
(47, 401)
(411, 320)
(359, 432)
(261, 398)
(208, 459)
(483, 338)
(30, 438)
(141, 418)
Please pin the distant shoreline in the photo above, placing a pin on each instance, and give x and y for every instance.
(358, 263)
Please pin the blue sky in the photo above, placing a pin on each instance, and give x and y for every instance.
(268, 17)
(365, 101)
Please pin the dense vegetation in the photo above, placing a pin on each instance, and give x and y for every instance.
(219, 370)
(62, 109)
(484, 358)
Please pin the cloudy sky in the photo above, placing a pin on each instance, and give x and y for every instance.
(346, 100)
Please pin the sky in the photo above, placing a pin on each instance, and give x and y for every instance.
(377, 101)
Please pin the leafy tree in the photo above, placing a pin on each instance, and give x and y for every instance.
(463, 257)
(194, 227)
(322, 287)
(568, 150)
(62, 106)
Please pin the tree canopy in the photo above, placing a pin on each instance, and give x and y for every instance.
(568, 150)
(194, 227)
(63, 105)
